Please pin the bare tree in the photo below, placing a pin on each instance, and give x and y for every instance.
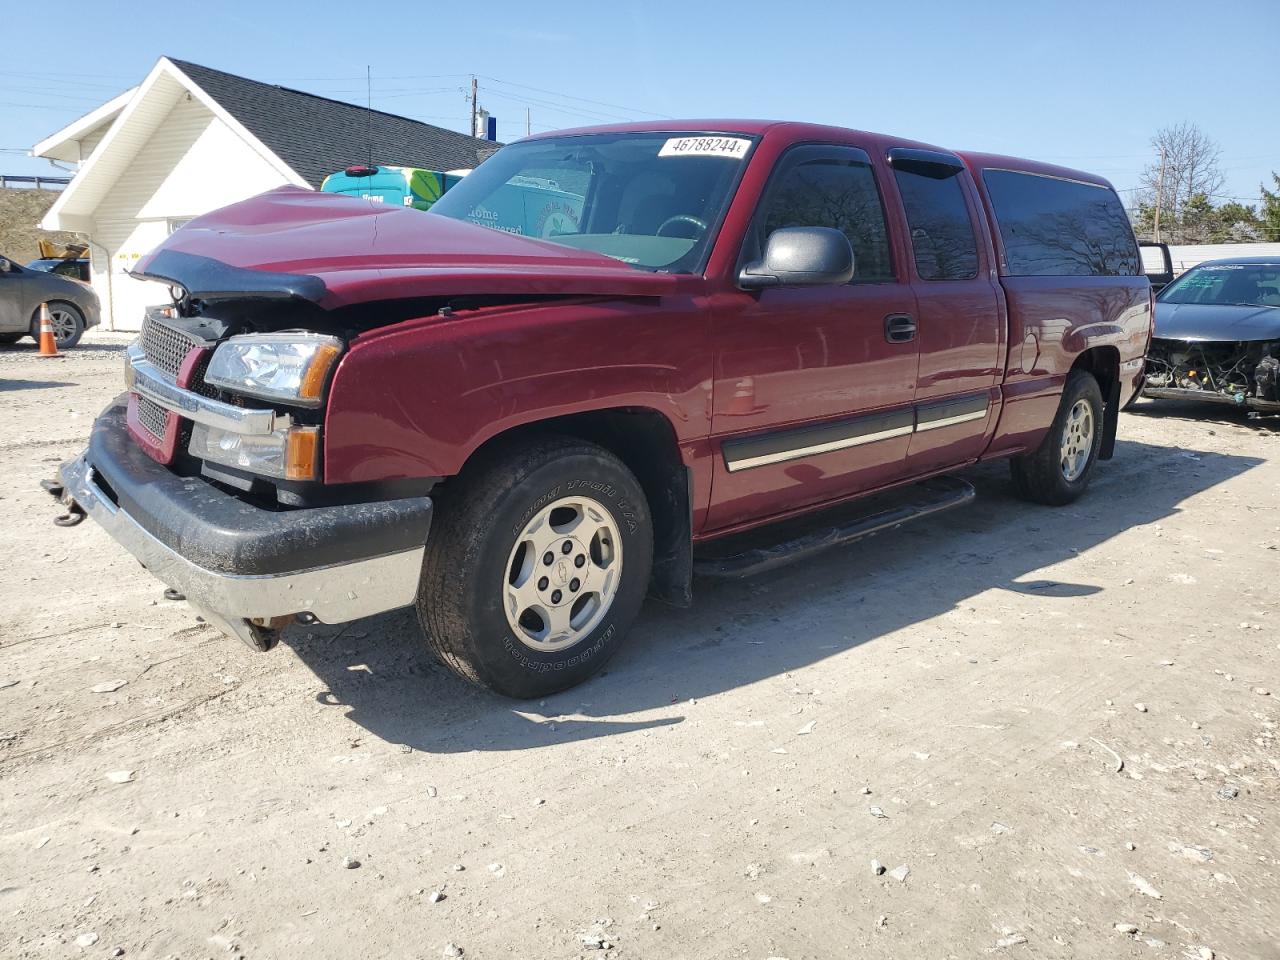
(1185, 169)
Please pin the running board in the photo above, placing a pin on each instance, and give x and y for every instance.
(747, 554)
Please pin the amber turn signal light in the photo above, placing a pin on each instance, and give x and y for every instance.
(313, 380)
(302, 453)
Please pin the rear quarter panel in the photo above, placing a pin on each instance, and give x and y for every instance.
(1054, 319)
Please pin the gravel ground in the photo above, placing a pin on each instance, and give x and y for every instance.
(952, 700)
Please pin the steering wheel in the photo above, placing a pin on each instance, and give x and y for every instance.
(699, 225)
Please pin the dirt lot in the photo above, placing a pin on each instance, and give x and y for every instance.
(981, 676)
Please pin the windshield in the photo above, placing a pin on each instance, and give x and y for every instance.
(652, 200)
(1221, 284)
(44, 266)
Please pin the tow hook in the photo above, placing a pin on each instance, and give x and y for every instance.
(259, 635)
(75, 513)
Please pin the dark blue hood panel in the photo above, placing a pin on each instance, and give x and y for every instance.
(1196, 321)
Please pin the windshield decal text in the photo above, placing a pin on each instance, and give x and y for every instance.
(733, 147)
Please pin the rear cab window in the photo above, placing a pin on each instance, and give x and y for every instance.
(1055, 227)
(943, 243)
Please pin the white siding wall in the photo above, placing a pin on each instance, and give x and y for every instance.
(1186, 256)
(192, 164)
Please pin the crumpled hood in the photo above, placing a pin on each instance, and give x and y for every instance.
(334, 251)
(1198, 321)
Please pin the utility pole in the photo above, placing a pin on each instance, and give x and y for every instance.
(528, 122)
(1159, 199)
(474, 106)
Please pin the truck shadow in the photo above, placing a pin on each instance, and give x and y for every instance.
(379, 671)
(1202, 412)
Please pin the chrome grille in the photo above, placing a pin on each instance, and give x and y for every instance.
(152, 416)
(165, 347)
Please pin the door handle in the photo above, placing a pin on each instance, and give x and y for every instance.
(899, 328)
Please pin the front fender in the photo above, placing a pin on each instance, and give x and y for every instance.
(418, 398)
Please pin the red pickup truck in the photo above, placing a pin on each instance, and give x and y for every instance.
(350, 408)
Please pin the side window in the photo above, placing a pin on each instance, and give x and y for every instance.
(942, 238)
(831, 187)
(1061, 228)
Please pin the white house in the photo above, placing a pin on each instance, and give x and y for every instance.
(190, 139)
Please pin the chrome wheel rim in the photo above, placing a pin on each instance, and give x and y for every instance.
(64, 325)
(562, 573)
(1077, 440)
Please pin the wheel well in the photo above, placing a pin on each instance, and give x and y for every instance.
(35, 314)
(1104, 364)
(645, 441)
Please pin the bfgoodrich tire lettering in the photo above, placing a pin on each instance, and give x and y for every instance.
(462, 600)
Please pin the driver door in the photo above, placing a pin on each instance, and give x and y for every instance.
(814, 386)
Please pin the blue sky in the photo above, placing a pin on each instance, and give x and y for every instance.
(1083, 84)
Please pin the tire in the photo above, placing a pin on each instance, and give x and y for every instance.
(11, 337)
(68, 324)
(481, 550)
(1049, 475)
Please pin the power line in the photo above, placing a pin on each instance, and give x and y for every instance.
(569, 96)
(36, 91)
(61, 73)
(578, 112)
(498, 80)
(417, 76)
(39, 106)
(417, 93)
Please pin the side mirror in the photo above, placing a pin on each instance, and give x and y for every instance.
(1157, 264)
(801, 256)
(4, 265)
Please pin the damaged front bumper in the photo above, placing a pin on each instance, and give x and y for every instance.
(1230, 400)
(245, 568)
(1244, 374)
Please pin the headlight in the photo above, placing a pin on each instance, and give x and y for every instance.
(289, 453)
(290, 367)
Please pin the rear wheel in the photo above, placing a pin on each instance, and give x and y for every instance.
(68, 324)
(536, 566)
(1060, 468)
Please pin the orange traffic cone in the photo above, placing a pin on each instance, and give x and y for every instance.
(48, 343)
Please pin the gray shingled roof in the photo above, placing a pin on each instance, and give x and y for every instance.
(317, 136)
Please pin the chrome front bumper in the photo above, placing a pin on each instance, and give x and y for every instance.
(242, 604)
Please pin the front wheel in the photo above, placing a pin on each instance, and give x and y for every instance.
(536, 565)
(1058, 471)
